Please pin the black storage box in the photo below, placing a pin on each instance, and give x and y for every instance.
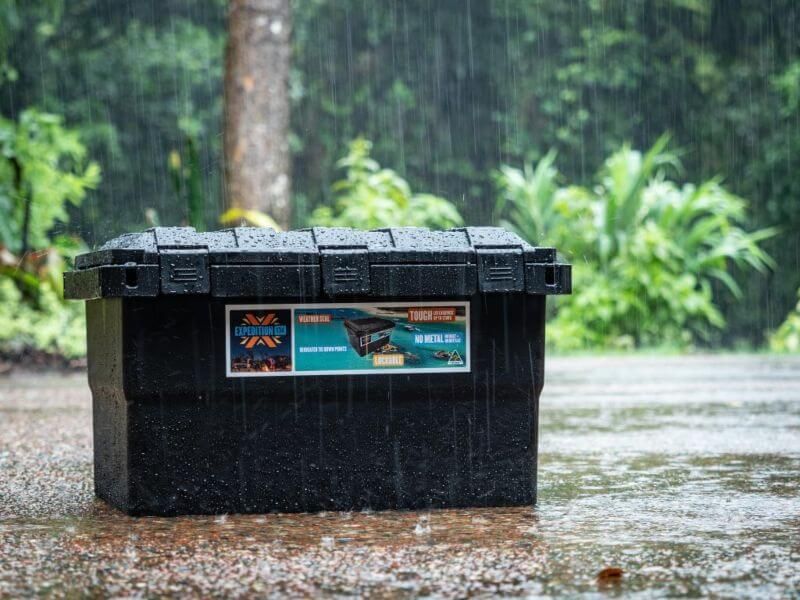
(368, 334)
(249, 370)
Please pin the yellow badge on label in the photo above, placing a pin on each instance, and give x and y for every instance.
(388, 360)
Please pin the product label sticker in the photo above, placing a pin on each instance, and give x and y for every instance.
(345, 339)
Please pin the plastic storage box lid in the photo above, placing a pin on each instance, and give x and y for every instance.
(368, 326)
(319, 262)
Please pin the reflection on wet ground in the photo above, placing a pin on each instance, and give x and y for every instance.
(684, 472)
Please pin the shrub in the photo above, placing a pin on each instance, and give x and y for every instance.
(49, 324)
(646, 250)
(371, 197)
(43, 170)
(531, 203)
(787, 336)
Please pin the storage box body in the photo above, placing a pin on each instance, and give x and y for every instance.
(175, 433)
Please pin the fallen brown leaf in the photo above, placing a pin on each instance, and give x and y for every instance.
(610, 574)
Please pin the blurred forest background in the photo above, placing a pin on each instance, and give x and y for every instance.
(653, 141)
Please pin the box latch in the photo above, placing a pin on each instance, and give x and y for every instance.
(184, 271)
(500, 270)
(345, 271)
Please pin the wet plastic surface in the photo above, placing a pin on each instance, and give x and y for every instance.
(174, 435)
(317, 262)
(684, 472)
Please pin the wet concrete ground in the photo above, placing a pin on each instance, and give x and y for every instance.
(684, 472)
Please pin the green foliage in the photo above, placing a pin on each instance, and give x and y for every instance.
(647, 251)
(128, 78)
(787, 337)
(531, 203)
(187, 182)
(447, 92)
(18, 17)
(48, 323)
(370, 197)
(43, 171)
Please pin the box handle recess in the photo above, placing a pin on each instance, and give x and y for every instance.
(500, 269)
(345, 271)
(184, 271)
(548, 278)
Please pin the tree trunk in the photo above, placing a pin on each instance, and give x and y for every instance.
(256, 129)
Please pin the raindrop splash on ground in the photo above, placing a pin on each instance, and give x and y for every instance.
(682, 472)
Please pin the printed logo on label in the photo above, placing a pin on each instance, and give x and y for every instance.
(256, 330)
(455, 358)
(259, 341)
